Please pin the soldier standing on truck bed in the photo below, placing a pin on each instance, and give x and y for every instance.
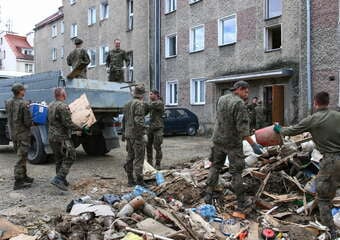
(78, 59)
(325, 129)
(231, 128)
(115, 62)
(60, 127)
(19, 123)
(134, 132)
(156, 128)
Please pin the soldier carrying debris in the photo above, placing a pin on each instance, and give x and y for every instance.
(115, 62)
(78, 59)
(59, 135)
(19, 123)
(134, 131)
(231, 128)
(156, 128)
(325, 129)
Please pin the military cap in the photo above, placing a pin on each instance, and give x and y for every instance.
(139, 90)
(17, 87)
(78, 41)
(238, 84)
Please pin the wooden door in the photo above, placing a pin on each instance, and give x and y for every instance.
(278, 104)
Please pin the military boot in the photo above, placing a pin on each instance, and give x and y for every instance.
(28, 179)
(209, 195)
(131, 180)
(140, 181)
(20, 184)
(59, 183)
(158, 165)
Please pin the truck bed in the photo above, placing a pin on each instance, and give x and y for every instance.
(103, 96)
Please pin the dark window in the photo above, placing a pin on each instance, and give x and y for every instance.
(182, 113)
(273, 37)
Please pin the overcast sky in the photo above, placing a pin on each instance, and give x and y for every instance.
(24, 14)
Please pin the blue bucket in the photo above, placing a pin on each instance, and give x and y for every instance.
(39, 113)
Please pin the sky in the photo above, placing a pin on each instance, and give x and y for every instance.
(24, 14)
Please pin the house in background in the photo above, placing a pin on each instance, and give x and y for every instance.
(16, 54)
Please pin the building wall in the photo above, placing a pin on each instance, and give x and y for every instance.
(103, 33)
(9, 60)
(326, 48)
(246, 55)
(44, 43)
(20, 65)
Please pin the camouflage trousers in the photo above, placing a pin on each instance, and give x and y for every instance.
(116, 75)
(236, 166)
(327, 181)
(64, 155)
(135, 156)
(155, 140)
(21, 148)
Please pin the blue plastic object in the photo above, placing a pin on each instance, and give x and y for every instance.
(39, 113)
(128, 196)
(139, 190)
(110, 198)
(335, 211)
(206, 211)
(159, 178)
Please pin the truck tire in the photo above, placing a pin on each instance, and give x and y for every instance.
(36, 153)
(95, 145)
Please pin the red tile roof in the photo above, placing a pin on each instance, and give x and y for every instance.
(17, 43)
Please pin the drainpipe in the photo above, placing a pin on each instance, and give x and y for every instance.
(157, 60)
(309, 59)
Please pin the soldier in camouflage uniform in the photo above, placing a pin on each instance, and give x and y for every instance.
(231, 128)
(115, 62)
(325, 129)
(156, 128)
(252, 113)
(60, 126)
(19, 123)
(134, 131)
(260, 115)
(79, 59)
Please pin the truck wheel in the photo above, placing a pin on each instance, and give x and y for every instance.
(36, 153)
(95, 146)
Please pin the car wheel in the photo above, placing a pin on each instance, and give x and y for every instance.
(192, 130)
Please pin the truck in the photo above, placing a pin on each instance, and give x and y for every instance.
(107, 100)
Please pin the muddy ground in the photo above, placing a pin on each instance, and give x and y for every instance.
(44, 199)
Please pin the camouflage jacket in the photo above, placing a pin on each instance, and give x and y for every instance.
(115, 59)
(232, 121)
(79, 59)
(324, 125)
(60, 125)
(19, 119)
(133, 121)
(156, 110)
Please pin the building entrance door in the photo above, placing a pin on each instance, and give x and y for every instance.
(274, 103)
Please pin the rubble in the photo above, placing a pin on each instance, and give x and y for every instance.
(280, 184)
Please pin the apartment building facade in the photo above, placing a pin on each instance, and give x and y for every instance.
(16, 54)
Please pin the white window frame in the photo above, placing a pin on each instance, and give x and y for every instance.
(29, 67)
(74, 30)
(54, 54)
(170, 6)
(170, 100)
(266, 42)
(54, 30)
(62, 52)
(103, 14)
(102, 50)
(220, 30)
(194, 1)
(193, 91)
(130, 14)
(266, 11)
(192, 36)
(167, 50)
(90, 55)
(130, 72)
(62, 27)
(91, 16)
(72, 2)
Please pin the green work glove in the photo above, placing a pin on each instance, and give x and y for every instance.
(86, 130)
(277, 128)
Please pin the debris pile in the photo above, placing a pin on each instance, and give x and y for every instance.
(280, 183)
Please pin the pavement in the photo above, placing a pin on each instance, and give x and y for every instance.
(43, 198)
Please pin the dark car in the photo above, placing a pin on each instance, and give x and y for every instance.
(180, 120)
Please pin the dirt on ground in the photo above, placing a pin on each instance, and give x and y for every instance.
(92, 176)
